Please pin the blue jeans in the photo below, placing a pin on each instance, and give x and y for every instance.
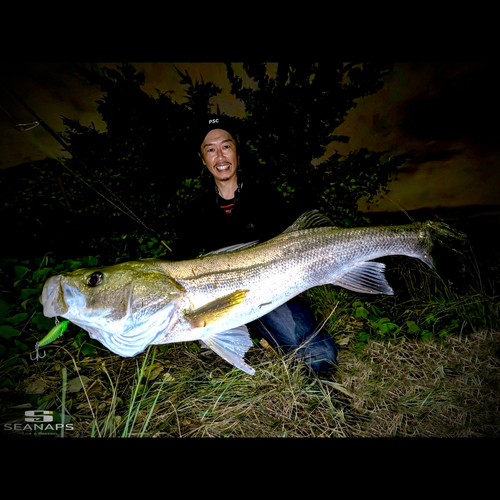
(290, 327)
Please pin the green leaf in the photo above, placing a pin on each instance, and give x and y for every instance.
(20, 344)
(79, 339)
(27, 292)
(388, 327)
(193, 346)
(412, 327)
(88, 349)
(75, 384)
(20, 271)
(425, 334)
(6, 382)
(431, 318)
(17, 318)
(41, 273)
(363, 336)
(7, 331)
(4, 309)
(42, 322)
(72, 265)
(361, 312)
(379, 322)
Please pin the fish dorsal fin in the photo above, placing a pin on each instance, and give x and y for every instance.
(309, 220)
(233, 248)
(366, 277)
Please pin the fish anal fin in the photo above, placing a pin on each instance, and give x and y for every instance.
(365, 277)
(216, 309)
(232, 345)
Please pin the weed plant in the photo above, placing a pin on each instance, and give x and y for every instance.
(423, 362)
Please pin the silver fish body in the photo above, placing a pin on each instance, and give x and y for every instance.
(132, 305)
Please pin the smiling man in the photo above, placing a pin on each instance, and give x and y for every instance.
(219, 155)
(243, 211)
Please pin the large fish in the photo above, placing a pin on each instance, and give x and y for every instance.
(131, 305)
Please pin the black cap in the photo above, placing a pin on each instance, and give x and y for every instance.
(212, 122)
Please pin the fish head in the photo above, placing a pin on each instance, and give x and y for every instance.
(126, 306)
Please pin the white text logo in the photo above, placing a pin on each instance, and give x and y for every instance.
(39, 416)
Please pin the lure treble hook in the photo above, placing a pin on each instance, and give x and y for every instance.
(54, 334)
(37, 355)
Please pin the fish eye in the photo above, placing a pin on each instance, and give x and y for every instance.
(95, 279)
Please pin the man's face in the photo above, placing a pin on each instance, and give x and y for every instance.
(219, 154)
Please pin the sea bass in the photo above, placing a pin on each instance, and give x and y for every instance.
(132, 305)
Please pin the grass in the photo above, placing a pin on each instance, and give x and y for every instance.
(422, 363)
(441, 388)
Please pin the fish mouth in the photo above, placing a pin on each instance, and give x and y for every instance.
(60, 299)
(52, 298)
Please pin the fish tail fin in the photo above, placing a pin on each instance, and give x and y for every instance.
(232, 346)
(444, 236)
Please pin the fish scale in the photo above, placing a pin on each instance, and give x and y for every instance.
(135, 304)
(276, 271)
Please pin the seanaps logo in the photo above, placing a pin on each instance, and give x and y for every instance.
(45, 421)
(38, 416)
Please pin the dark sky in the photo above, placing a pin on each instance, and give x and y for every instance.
(445, 114)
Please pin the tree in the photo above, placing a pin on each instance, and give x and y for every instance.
(291, 120)
(147, 158)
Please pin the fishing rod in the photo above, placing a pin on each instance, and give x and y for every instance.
(24, 127)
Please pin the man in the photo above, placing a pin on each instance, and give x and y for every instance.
(241, 212)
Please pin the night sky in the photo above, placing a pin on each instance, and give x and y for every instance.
(444, 114)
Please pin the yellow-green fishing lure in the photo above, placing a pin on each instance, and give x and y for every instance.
(54, 334)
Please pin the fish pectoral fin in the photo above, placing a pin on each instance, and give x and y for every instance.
(365, 277)
(215, 310)
(232, 346)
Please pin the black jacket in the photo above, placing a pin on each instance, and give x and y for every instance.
(257, 213)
